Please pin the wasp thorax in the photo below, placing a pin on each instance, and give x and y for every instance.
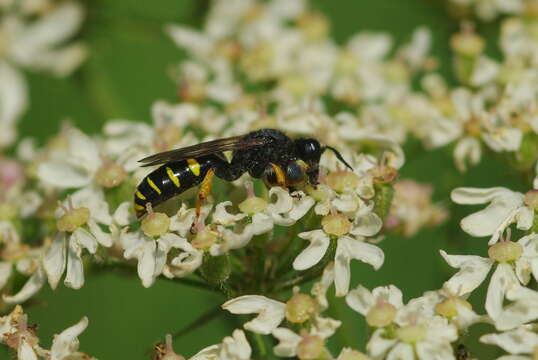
(348, 354)
(310, 347)
(531, 199)
(300, 308)
(341, 180)
(411, 334)
(505, 251)
(155, 224)
(73, 219)
(110, 174)
(336, 224)
(205, 238)
(449, 307)
(381, 315)
(253, 205)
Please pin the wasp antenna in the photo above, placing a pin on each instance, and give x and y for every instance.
(338, 156)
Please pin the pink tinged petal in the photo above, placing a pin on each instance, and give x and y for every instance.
(519, 341)
(367, 225)
(62, 175)
(360, 299)
(379, 345)
(55, 261)
(146, 263)
(401, 351)
(348, 249)
(314, 252)
(270, 312)
(287, 342)
(75, 269)
(5, 273)
(325, 327)
(502, 280)
(473, 271)
(390, 294)
(102, 237)
(32, 286)
(25, 351)
(428, 350)
(66, 343)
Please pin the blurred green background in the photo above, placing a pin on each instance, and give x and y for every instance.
(127, 72)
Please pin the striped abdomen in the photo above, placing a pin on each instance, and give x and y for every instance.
(168, 181)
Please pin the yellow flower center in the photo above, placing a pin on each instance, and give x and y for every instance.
(311, 347)
(253, 205)
(110, 174)
(449, 307)
(155, 224)
(300, 308)
(204, 239)
(381, 315)
(340, 180)
(337, 224)
(73, 219)
(411, 334)
(505, 251)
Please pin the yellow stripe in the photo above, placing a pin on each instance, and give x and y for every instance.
(140, 195)
(172, 176)
(139, 207)
(152, 184)
(194, 166)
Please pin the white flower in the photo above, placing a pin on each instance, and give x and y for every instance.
(235, 347)
(65, 345)
(505, 207)
(521, 341)
(523, 308)
(79, 224)
(14, 102)
(270, 312)
(362, 300)
(347, 248)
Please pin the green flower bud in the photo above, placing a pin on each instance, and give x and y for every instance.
(216, 269)
(384, 193)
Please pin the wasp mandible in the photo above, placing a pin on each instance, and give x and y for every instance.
(267, 154)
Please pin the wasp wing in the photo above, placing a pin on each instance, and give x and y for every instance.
(202, 149)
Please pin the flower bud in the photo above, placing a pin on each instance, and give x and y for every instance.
(449, 307)
(381, 315)
(505, 251)
(411, 334)
(216, 269)
(340, 180)
(253, 205)
(310, 347)
(384, 193)
(73, 219)
(336, 224)
(110, 174)
(155, 224)
(300, 308)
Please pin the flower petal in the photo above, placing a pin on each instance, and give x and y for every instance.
(314, 252)
(473, 271)
(54, 261)
(30, 288)
(270, 312)
(502, 280)
(287, 342)
(66, 343)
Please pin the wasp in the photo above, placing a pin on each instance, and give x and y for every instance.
(266, 154)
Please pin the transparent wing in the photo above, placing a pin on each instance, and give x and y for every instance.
(202, 149)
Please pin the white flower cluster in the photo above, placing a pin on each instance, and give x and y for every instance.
(21, 337)
(33, 36)
(489, 10)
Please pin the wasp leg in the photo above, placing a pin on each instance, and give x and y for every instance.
(280, 175)
(203, 193)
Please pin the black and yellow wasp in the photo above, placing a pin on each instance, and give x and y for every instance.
(267, 153)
